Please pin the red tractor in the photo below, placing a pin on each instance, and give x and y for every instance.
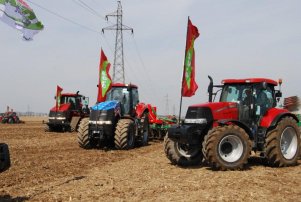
(120, 121)
(73, 107)
(245, 119)
(10, 117)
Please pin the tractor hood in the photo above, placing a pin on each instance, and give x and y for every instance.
(63, 108)
(213, 111)
(105, 112)
(107, 105)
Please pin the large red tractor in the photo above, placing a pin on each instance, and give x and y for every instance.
(120, 121)
(245, 119)
(66, 117)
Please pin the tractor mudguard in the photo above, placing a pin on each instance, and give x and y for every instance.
(141, 108)
(273, 116)
(185, 134)
(280, 116)
(238, 123)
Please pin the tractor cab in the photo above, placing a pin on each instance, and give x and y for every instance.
(127, 95)
(254, 97)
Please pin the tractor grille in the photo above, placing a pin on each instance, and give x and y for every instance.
(101, 115)
(199, 113)
(56, 114)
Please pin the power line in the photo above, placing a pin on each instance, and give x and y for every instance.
(64, 18)
(90, 9)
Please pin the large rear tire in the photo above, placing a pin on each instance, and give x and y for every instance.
(182, 154)
(283, 144)
(83, 134)
(4, 157)
(125, 134)
(227, 148)
(144, 136)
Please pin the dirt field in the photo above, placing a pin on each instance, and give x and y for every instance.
(51, 167)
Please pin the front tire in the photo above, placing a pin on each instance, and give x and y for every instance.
(182, 154)
(227, 148)
(4, 157)
(124, 137)
(83, 134)
(283, 144)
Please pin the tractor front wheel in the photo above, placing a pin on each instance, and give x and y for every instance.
(227, 148)
(83, 134)
(182, 154)
(125, 134)
(283, 144)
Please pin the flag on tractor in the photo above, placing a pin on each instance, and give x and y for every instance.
(58, 97)
(105, 81)
(18, 14)
(189, 86)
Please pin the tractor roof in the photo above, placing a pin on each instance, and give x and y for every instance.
(250, 80)
(71, 95)
(124, 85)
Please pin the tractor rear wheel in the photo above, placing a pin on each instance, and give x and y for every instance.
(11, 121)
(283, 143)
(182, 154)
(124, 137)
(4, 157)
(83, 134)
(227, 148)
(145, 130)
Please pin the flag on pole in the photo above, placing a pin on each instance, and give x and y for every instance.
(105, 81)
(18, 14)
(58, 97)
(189, 86)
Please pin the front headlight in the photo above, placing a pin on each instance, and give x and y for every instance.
(196, 121)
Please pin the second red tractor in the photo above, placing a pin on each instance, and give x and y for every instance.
(244, 119)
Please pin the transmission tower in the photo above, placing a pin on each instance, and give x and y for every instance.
(118, 66)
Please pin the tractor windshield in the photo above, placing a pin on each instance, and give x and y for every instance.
(122, 95)
(234, 93)
(72, 100)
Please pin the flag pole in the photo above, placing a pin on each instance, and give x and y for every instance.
(181, 100)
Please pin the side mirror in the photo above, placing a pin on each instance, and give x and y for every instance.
(55, 97)
(278, 94)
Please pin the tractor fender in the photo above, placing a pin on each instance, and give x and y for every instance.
(238, 123)
(141, 108)
(282, 115)
(273, 116)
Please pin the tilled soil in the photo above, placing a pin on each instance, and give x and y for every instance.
(52, 167)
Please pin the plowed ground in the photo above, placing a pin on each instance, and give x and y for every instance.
(52, 167)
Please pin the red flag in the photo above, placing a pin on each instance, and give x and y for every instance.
(58, 97)
(189, 86)
(105, 81)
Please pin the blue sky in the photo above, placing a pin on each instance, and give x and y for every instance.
(238, 39)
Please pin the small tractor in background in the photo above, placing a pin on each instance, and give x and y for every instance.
(120, 121)
(66, 117)
(4, 157)
(10, 117)
(245, 119)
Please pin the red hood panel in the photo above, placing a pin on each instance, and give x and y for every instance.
(221, 110)
(63, 108)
